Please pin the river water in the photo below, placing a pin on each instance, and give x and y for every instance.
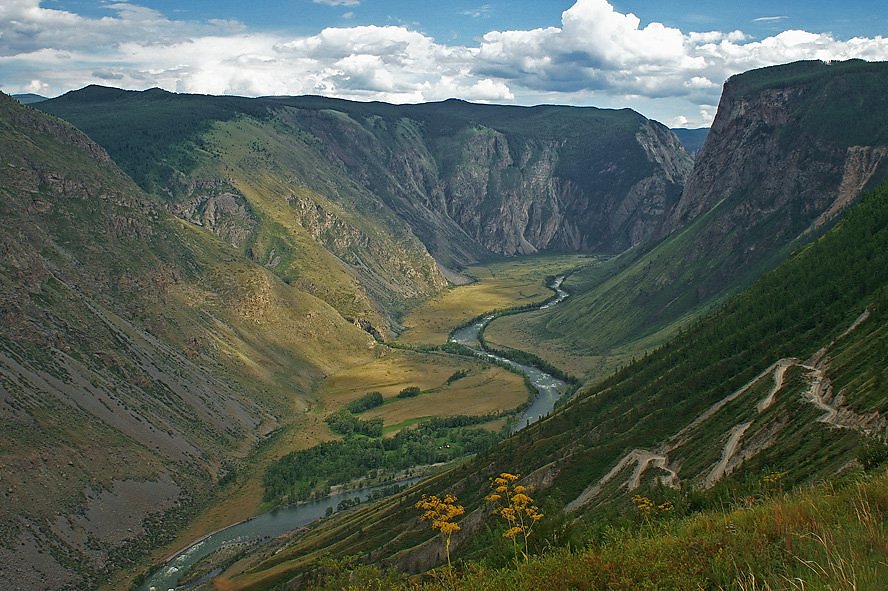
(266, 526)
(549, 389)
(285, 519)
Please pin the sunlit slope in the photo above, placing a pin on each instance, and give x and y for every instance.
(791, 147)
(253, 177)
(137, 353)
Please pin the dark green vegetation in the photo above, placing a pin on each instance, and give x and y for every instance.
(409, 392)
(824, 312)
(302, 474)
(343, 422)
(163, 130)
(366, 402)
(776, 171)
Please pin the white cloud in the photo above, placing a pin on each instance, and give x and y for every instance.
(596, 56)
(765, 19)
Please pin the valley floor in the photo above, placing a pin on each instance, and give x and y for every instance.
(483, 390)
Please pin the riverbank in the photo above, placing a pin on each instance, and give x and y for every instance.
(549, 390)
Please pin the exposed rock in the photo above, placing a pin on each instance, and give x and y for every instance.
(481, 187)
(224, 213)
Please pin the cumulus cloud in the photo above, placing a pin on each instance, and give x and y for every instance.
(597, 55)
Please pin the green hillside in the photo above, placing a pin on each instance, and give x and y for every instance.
(249, 174)
(787, 153)
(711, 412)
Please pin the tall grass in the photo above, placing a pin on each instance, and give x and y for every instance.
(823, 537)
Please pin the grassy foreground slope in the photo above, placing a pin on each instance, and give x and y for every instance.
(826, 537)
(787, 153)
(680, 413)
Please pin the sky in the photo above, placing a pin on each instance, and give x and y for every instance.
(667, 60)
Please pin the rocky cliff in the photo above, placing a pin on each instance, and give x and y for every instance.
(790, 148)
(470, 181)
(475, 181)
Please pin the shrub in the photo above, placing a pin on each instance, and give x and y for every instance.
(409, 392)
(365, 402)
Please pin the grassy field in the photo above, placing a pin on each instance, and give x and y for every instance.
(499, 285)
(485, 390)
(519, 332)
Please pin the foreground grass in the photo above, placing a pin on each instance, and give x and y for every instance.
(823, 537)
(498, 285)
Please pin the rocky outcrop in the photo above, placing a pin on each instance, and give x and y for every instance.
(222, 211)
(491, 182)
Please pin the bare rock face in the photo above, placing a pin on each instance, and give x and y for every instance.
(787, 152)
(224, 213)
(474, 181)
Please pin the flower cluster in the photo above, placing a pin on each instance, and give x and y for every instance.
(441, 512)
(516, 507)
(647, 508)
(772, 478)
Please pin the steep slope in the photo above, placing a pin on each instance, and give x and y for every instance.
(252, 177)
(139, 356)
(791, 147)
(785, 378)
(471, 181)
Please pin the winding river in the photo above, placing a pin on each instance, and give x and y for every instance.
(549, 389)
(285, 519)
(265, 526)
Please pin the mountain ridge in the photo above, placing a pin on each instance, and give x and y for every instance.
(454, 170)
(762, 186)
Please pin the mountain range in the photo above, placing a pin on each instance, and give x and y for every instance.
(181, 272)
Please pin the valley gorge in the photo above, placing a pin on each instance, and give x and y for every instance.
(193, 285)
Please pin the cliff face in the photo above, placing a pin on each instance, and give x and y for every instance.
(475, 181)
(790, 147)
